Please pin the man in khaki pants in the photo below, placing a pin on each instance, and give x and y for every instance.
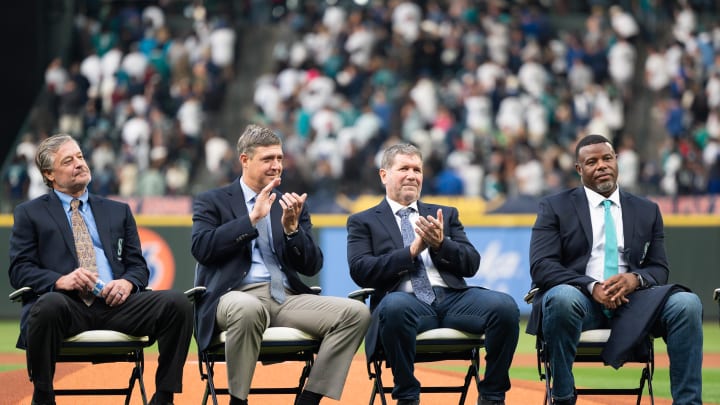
(251, 241)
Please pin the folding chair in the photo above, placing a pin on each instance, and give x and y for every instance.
(430, 346)
(589, 350)
(96, 347)
(279, 344)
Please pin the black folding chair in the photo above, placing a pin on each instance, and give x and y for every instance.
(100, 346)
(430, 346)
(279, 344)
(589, 349)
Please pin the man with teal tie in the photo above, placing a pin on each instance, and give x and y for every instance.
(597, 256)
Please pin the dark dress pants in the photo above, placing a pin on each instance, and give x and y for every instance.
(476, 310)
(163, 315)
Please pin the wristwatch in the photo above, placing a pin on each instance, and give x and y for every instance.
(641, 281)
(292, 234)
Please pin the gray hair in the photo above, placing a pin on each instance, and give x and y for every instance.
(388, 157)
(256, 136)
(45, 155)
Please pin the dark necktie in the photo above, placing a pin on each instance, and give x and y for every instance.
(83, 246)
(611, 247)
(419, 278)
(277, 290)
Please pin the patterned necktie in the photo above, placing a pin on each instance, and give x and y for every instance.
(611, 247)
(419, 278)
(277, 290)
(83, 246)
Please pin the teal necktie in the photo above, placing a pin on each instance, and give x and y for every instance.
(611, 244)
(611, 248)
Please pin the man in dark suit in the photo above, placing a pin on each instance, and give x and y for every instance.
(568, 260)
(43, 256)
(253, 282)
(382, 257)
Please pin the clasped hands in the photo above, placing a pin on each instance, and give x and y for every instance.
(612, 293)
(292, 205)
(429, 233)
(81, 279)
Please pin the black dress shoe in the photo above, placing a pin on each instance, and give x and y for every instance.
(237, 401)
(570, 401)
(155, 401)
(483, 401)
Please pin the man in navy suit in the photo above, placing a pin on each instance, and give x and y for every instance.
(238, 273)
(567, 260)
(379, 259)
(43, 257)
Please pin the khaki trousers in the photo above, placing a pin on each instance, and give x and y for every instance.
(341, 323)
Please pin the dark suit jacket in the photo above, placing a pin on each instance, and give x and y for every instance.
(379, 260)
(560, 250)
(42, 247)
(222, 236)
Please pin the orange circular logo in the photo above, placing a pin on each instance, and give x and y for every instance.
(159, 259)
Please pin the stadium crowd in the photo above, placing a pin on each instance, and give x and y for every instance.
(135, 95)
(494, 93)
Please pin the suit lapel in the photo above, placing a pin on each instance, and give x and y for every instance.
(237, 199)
(102, 222)
(628, 215)
(59, 216)
(580, 202)
(387, 219)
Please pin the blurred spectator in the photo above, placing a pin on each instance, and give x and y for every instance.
(482, 88)
(16, 180)
(628, 164)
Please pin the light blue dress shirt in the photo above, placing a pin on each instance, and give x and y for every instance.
(103, 265)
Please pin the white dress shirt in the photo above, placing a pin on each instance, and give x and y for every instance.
(596, 264)
(433, 274)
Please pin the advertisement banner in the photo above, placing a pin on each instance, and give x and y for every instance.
(504, 265)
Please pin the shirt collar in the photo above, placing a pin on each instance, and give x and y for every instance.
(595, 199)
(248, 193)
(395, 206)
(66, 198)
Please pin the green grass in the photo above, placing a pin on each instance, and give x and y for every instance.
(606, 377)
(584, 376)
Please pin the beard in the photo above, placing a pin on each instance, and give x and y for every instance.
(606, 187)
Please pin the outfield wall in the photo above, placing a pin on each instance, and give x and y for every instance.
(693, 245)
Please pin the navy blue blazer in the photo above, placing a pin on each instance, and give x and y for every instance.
(560, 250)
(42, 247)
(222, 236)
(378, 259)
